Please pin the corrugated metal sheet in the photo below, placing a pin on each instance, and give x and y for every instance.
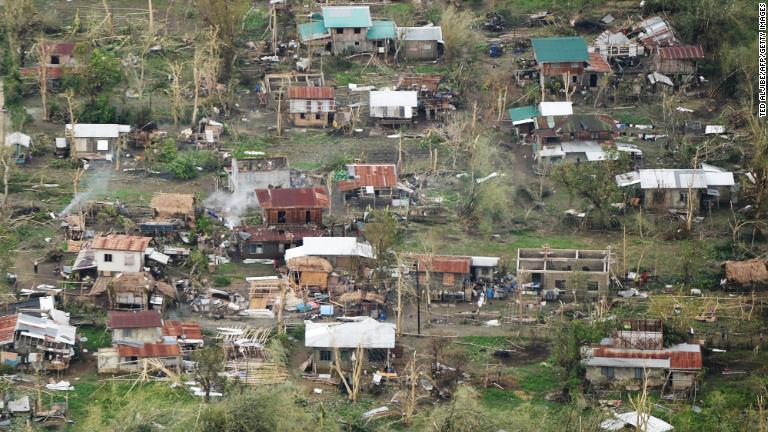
(430, 33)
(61, 48)
(149, 350)
(682, 52)
(598, 64)
(7, 328)
(377, 176)
(681, 356)
(315, 197)
(444, 263)
(121, 242)
(685, 360)
(137, 319)
(347, 16)
(311, 93)
(182, 329)
(655, 31)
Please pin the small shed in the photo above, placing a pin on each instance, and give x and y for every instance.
(174, 206)
(421, 43)
(746, 274)
(393, 107)
(678, 60)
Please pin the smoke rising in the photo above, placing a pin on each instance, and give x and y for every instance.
(94, 183)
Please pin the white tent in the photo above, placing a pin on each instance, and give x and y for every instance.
(18, 139)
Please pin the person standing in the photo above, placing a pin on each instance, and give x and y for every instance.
(34, 266)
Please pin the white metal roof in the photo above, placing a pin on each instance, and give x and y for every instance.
(392, 98)
(581, 146)
(428, 33)
(675, 178)
(331, 246)
(43, 328)
(365, 332)
(657, 77)
(651, 423)
(93, 130)
(482, 261)
(556, 108)
(17, 138)
(621, 362)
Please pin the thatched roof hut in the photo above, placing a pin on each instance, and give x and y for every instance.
(746, 272)
(310, 264)
(170, 205)
(359, 297)
(132, 282)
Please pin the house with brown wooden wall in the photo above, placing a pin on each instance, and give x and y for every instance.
(559, 57)
(311, 106)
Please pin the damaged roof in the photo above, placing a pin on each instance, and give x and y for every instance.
(374, 175)
(149, 350)
(312, 93)
(134, 319)
(315, 197)
(597, 63)
(444, 263)
(45, 329)
(182, 329)
(121, 242)
(682, 356)
(655, 31)
(560, 49)
(682, 52)
(7, 328)
(745, 272)
(173, 203)
(675, 178)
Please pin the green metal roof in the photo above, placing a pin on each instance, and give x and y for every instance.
(560, 50)
(312, 30)
(347, 16)
(522, 113)
(382, 30)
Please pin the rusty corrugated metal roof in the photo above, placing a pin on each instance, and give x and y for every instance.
(61, 48)
(685, 360)
(134, 319)
(121, 242)
(444, 263)
(315, 197)
(677, 359)
(375, 175)
(182, 329)
(682, 52)
(7, 328)
(312, 93)
(598, 64)
(149, 350)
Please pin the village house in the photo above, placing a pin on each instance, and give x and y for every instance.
(560, 58)
(288, 215)
(581, 151)
(310, 273)
(524, 118)
(680, 61)
(420, 43)
(37, 342)
(653, 32)
(745, 275)
(450, 276)
(551, 272)
(391, 107)
(636, 353)
(597, 68)
(59, 57)
(119, 253)
(670, 189)
(432, 101)
(348, 26)
(377, 339)
(311, 106)
(577, 127)
(374, 185)
(132, 291)
(258, 172)
(140, 339)
(97, 141)
(174, 207)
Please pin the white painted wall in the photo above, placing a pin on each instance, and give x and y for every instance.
(122, 261)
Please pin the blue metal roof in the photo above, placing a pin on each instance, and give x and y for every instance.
(383, 29)
(347, 16)
(313, 30)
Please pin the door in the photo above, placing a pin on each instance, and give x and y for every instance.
(593, 80)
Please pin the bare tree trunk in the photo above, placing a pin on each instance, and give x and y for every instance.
(69, 95)
(108, 18)
(151, 18)
(4, 160)
(43, 50)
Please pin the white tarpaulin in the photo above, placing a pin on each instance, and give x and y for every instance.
(651, 423)
(331, 246)
(364, 332)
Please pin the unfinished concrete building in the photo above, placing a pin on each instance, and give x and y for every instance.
(552, 272)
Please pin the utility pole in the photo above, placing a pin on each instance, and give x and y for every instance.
(418, 301)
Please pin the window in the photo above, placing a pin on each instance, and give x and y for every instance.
(281, 217)
(449, 279)
(339, 31)
(317, 116)
(280, 248)
(560, 284)
(575, 79)
(658, 197)
(639, 373)
(325, 355)
(127, 333)
(593, 286)
(302, 116)
(357, 30)
(256, 248)
(344, 355)
(128, 259)
(357, 43)
(107, 257)
(308, 216)
(55, 60)
(607, 372)
(595, 135)
(683, 196)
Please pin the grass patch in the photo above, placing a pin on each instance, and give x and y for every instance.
(496, 398)
(482, 347)
(537, 378)
(98, 337)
